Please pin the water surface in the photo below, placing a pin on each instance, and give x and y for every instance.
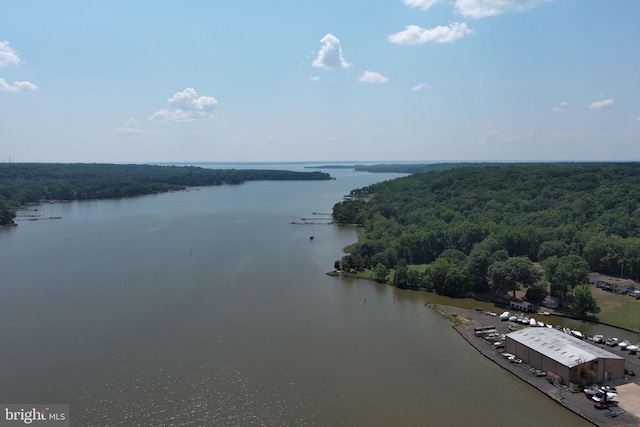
(208, 307)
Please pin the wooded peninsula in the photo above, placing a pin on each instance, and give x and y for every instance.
(499, 228)
(26, 183)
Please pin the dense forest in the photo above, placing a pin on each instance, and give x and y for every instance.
(480, 228)
(25, 183)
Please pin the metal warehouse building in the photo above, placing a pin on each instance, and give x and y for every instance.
(551, 350)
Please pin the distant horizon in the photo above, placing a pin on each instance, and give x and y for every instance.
(334, 162)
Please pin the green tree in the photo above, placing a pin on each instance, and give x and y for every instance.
(509, 275)
(478, 263)
(499, 275)
(571, 271)
(414, 279)
(401, 277)
(382, 272)
(536, 292)
(551, 248)
(584, 301)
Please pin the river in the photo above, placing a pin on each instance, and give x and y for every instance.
(208, 307)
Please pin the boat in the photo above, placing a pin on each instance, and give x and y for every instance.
(525, 320)
(576, 333)
(505, 316)
(591, 391)
(624, 344)
(604, 396)
(597, 339)
(540, 324)
(513, 318)
(532, 322)
(548, 325)
(633, 348)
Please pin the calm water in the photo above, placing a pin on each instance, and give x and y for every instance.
(208, 308)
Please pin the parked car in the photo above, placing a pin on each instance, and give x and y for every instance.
(612, 342)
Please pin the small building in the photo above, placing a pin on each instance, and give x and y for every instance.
(614, 284)
(570, 358)
(551, 302)
(593, 277)
(521, 305)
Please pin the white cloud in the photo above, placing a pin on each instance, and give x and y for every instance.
(484, 8)
(372, 77)
(186, 106)
(414, 34)
(16, 86)
(422, 4)
(330, 56)
(420, 86)
(562, 107)
(601, 104)
(8, 56)
(131, 129)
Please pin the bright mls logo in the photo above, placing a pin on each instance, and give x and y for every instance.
(38, 415)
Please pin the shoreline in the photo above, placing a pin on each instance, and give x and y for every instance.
(465, 321)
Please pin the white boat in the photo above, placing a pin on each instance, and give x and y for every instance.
(549, 325)
(505, 316)
(513, 318)
(576, 333)
(624, 344)
(532, 322)
(591, 391)
(540, 324)
(602, 396)
(633, 348)
(597, 339)
(525, 320)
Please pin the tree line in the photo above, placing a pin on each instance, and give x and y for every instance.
(26, 183)
(480, 228)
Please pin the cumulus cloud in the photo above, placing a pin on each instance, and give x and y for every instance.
(420, 86)
(330, 55)
(8, 56)
(16, 86)
(186, 106)
(484, 8)
(601, 104)
(422, 4)
(372, 77)
(414, 34)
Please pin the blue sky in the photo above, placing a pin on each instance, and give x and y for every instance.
(323, 80)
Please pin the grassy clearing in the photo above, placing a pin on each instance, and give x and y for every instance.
(618, 310)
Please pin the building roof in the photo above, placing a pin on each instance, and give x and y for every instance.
(563, 348)
(616, 281)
